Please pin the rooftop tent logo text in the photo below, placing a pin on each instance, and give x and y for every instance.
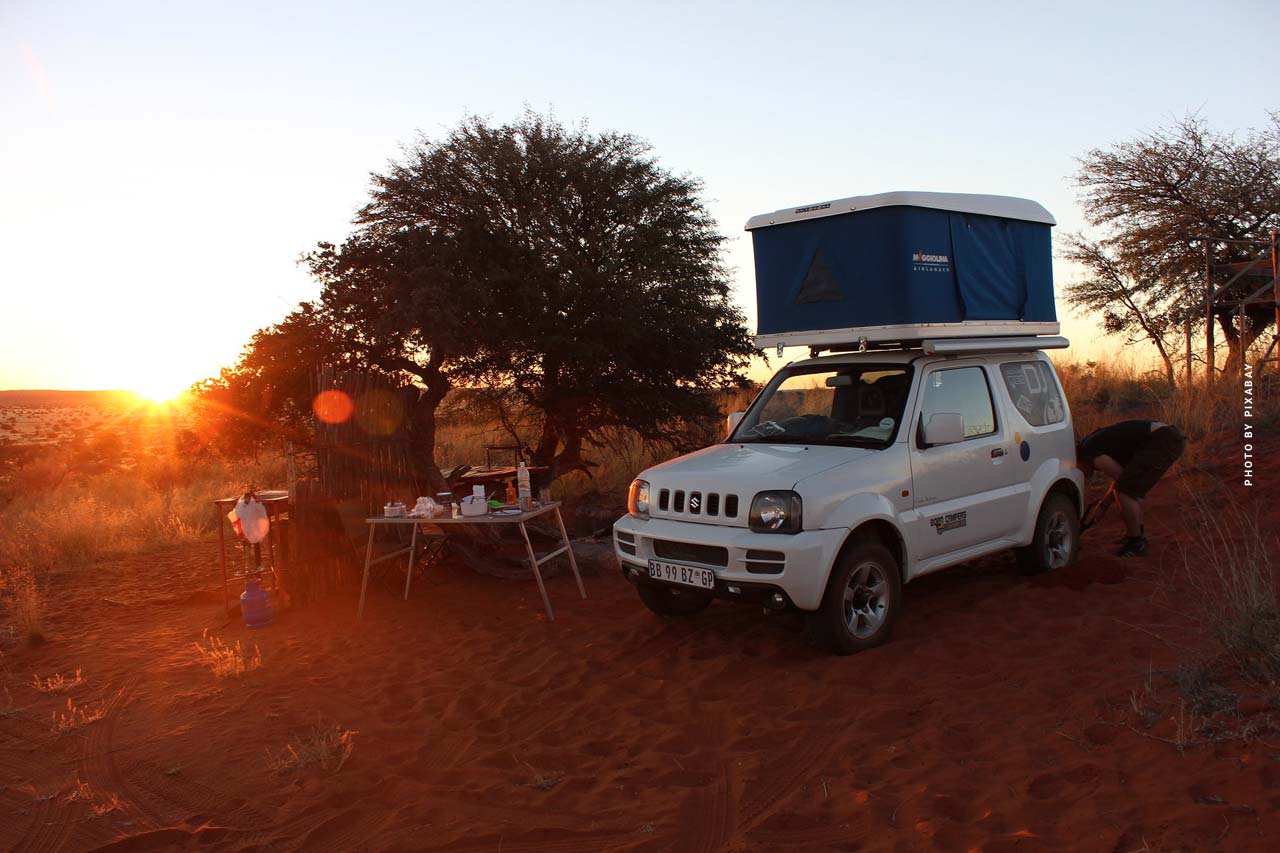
(926, 262)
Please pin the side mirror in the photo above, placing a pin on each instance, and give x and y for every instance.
(944, 428)
(735, 419)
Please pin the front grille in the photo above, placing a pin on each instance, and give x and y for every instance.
(627, 549)
(708, 555)
(706, 504)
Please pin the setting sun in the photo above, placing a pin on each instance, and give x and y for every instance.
(161, 390)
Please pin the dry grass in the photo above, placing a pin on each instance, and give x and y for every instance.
(21, 599)
(75, 717)
(99, 804)
(1102, 393)
(123, 511)
(1233, 594)
(113, 480)
(56, 683)
(227, 661)
(325, 746)
(1141, 701)
(542, 780)
(1231, 568)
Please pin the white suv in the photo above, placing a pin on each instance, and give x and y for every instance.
(853, 474)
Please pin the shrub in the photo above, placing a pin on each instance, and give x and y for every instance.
(56, 683)
(326, 746)
(227, 661)
(22, 601)
(75, 717)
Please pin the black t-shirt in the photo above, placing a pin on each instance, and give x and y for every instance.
(1119, 441)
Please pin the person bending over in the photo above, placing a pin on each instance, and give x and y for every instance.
(1135, 454)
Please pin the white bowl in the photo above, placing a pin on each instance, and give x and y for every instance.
(472, 506)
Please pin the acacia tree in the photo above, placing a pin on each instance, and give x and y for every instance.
(266, 395)
(566, 267)
(1155, 198)
(1119, 291)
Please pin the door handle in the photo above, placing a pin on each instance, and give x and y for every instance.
(997, 452)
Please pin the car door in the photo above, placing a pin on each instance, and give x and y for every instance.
(964, 493)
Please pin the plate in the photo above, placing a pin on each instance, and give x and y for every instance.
(508, 511)
(683, 575)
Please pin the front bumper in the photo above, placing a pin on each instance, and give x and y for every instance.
(806, 561)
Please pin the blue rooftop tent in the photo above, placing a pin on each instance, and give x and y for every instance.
(903, 266)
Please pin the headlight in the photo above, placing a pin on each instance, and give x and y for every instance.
(638, 499)
(775, 512)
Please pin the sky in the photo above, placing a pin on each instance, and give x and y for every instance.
(164, 165)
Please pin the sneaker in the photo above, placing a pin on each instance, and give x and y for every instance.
(1134, 546)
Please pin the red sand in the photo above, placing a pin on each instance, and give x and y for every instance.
(998, 719)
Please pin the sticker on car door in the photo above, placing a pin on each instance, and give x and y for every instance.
(950, 521)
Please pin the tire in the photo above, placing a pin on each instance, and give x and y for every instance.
(862, 600)
(669, 601)
(1056, 543)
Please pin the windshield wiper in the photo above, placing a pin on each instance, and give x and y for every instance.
(857, 441)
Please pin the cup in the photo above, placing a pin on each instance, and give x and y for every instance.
(544, 495)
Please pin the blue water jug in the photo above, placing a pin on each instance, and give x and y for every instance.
(255, 605)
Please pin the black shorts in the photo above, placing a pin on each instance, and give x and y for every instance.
(1151, 461)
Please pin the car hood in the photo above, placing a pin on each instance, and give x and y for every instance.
(743, 470)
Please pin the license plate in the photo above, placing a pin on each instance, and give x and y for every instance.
(683, 575)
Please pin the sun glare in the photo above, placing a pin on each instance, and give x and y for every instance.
(160, 392)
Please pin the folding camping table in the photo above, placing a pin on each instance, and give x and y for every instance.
(492, 518)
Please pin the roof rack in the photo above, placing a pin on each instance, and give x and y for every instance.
(950, 346)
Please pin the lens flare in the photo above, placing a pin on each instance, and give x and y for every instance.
(333, 407)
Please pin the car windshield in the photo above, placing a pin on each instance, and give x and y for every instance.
(853, 404)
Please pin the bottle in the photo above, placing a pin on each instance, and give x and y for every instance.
(511, 494)
(526, 493)
(255, 606)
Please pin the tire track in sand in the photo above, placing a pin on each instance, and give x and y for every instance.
(712, 816)
(53, 816)
(153, 805)
(778, 781)
(50, 826)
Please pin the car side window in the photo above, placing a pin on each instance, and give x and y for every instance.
(1033, 392)
(963, 391)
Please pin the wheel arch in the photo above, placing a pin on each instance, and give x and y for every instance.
(1067, 487)
(876, 530)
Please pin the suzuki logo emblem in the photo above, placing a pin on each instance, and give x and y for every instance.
(694, 503)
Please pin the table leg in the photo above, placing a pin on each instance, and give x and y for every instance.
(271, 553)
(413, 550)
(364, 584)
(533, 561)
(573, 563)
(222, 552)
